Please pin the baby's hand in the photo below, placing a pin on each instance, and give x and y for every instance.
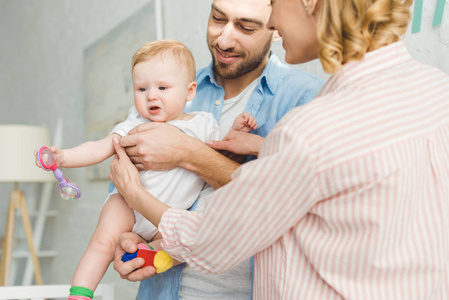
(58, 156)
(36, 160)
(244, 122)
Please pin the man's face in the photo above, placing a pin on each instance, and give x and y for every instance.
(237, 36)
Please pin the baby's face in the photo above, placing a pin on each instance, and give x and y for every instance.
(161, 88)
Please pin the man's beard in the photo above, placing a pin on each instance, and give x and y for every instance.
(223, 70)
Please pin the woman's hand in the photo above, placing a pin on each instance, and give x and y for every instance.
(128, 243)
(126, 180)
(123, 173)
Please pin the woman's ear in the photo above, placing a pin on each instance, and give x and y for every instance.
(311, 6)
(191, 91)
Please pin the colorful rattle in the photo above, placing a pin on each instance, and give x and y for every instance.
(46, 160)
(158, 259)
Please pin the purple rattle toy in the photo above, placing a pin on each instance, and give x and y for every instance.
(46, 160)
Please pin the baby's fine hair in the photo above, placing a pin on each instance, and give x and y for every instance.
(167, 49)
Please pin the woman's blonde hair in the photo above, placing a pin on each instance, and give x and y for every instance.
(347, 29)
(167, 49)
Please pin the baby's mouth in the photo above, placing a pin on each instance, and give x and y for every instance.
(154, 109)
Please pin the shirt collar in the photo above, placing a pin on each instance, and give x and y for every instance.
(373, 62)
(269, 76)
(206, 74)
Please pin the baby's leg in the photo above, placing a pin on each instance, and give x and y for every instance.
(116, 217)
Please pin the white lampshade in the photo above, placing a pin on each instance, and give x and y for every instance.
(17, 163)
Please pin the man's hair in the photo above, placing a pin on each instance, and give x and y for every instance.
(167, 49)
(347, 29)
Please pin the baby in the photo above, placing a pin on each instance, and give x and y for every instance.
(163, 74)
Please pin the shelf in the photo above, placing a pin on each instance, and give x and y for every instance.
(25, 254)
(49, 213)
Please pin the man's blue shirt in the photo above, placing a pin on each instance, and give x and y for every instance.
(280, 88)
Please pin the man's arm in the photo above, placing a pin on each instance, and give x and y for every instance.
(211, 166)
(159, 146)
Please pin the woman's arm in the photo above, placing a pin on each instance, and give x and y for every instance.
(265, 199)
(126, 179)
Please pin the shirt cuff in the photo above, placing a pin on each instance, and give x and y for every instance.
(170, 237)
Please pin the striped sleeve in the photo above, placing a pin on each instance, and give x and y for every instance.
(242, 218)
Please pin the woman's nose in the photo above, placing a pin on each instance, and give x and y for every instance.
(270, 25)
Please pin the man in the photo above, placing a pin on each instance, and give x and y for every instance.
(243, 76)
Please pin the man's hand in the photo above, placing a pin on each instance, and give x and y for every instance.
(128, 243)
(156, 146)
(159, 146)
(240, 143)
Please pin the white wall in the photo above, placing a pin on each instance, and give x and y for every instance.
(41, 78)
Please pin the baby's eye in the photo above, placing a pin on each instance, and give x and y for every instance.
(142, 89)
(162, 88)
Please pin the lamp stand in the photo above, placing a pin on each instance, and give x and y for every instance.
(17, 201)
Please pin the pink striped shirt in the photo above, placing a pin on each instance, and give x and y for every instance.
(349, 198)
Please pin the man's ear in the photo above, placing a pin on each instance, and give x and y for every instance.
(191, 91)
(276, 36)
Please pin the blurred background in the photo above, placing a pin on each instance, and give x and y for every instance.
(65, 66)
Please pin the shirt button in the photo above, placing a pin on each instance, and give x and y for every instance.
(211, 81)
(218, 102)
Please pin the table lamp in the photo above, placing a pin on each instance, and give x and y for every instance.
(17, 145)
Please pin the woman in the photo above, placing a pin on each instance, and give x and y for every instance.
(348, 198)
